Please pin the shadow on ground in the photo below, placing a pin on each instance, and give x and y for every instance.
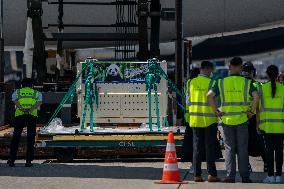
(82, 171)
(115, 171)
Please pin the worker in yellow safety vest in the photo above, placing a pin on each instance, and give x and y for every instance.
(256, 145)
(270, 119)
(203, 122)
(27, 101)
(236, 108)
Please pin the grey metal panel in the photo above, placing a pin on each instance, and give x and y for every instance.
(55, 98)
(94, 37)
(200, 17)
(52, 97)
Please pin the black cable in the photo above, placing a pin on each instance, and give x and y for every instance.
(123, 31)
(127, 31)
(184, 177)
(60, 26)
(116, 30)
(120, 31)
(60, 15)
(136, 28)
(126, 23)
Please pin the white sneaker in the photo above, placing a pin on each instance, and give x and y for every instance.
(268, 179)
(278, 179)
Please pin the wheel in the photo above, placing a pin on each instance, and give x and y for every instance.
(65, 154)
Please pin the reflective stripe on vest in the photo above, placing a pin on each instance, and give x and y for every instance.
(271, 109)
(26, 96)
(200, 112)
(234, 106)
(188, 93)
(271, 121)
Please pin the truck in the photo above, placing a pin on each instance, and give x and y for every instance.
(120, 106)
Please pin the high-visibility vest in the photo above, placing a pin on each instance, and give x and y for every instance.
(271, 109)
(200, 112)
(26, 97)
(234, 93)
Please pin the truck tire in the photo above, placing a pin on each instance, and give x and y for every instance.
(65, 154)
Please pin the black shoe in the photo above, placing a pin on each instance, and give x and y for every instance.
(246, 180)
(11, 163)
(28, 164)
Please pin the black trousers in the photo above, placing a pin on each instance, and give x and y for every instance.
(187, 145)
(22, 121)
(274, 143)
(256, 145)
(204, 137)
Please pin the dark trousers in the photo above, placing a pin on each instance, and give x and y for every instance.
(256, 145)
(22, 121)
(274, 143)
(187, 150)
(204, 137)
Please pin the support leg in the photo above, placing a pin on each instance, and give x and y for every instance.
(149, 107)
(166, 123)
(92, 118)
(84, 117)
(157, 108)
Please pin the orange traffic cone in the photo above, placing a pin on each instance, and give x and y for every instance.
(171, 173)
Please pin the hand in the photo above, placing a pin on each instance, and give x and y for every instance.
(219, 114)
(249, 114)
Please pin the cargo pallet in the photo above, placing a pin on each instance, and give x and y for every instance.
(69, 146)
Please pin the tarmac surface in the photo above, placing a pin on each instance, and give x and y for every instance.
(84, 174)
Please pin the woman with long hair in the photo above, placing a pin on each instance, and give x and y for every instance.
(270, 119)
